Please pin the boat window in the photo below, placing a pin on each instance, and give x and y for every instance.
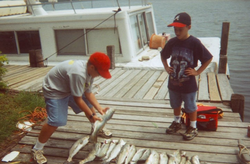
(150, 24)
(142, 28)
(8, 43)
(135, 32)
(28, 40)
(73, 45)
(99, 39)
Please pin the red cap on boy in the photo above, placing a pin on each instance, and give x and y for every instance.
(102, 64)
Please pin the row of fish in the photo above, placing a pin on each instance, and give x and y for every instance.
(97, 126)
(121, 152)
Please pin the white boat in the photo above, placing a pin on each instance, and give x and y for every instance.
(62, 34)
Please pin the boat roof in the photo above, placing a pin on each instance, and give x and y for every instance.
(69, 15)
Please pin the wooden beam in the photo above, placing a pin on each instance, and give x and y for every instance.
(223, 45)
(223, 64)
(111, 55)
(224, 38)
(237, 104)
(213, 88)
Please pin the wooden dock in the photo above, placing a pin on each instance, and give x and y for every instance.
(143, 112)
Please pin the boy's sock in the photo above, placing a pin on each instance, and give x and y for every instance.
(39, 145)
(193, 124)
(177, 119)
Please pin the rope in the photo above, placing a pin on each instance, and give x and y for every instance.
(36, 117)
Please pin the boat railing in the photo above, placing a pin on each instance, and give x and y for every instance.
(52, 5)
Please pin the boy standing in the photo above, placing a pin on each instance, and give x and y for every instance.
(185, 50)
(69, 84)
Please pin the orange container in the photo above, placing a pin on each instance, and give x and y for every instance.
(157, 41)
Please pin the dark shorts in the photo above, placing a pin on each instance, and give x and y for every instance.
(57, 109)
(189, 100)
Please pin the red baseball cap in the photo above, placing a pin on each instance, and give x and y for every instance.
(102, 64)
(181, 20)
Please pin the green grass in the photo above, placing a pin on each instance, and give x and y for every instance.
(11, 107)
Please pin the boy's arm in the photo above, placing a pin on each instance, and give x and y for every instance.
(92, 99)
(165, 64)
(204, 66)
(84, 107)
(191, 71)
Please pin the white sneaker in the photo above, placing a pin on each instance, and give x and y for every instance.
(105, 133)
(38, 156)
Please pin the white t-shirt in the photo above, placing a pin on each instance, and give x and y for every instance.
(67, 78)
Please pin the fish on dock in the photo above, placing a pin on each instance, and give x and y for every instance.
(145, 155)
(77, 146)
(123, 154)
(98, 125)
(132, 151)
(92, 155)
(115, 151)
(195, 159)
(104, 148)
(163, 158)
(137, 155)
(113, 143)
(153, 158)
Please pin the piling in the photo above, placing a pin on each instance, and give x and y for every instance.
(36, 58)
(111, 55)
(223, 50)
(237, 104)
(32, 58)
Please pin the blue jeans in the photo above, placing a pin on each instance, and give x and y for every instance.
(189, 100)
(57, 109)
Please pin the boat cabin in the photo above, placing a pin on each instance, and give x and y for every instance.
(63, 34)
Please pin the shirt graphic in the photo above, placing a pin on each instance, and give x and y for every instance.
(182, 58)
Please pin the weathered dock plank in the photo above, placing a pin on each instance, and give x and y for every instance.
(130, 83)
(203, 94)
(154, 89)
(138, 84)
(161, 94)
(224, 87)
(143, 112)
(136, 124)
(147, 85)
(213, 88)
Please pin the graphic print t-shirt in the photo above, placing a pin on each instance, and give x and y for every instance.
(184, 54)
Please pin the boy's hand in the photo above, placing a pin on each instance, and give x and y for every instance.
(169, 70)
(103, 110)
(95, 118)
(190, 72)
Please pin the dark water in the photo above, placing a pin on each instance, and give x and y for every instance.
(207, 18)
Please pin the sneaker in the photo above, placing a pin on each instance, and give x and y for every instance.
(173, 128)
(105, 133)
(190, 133)
(38, 156)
